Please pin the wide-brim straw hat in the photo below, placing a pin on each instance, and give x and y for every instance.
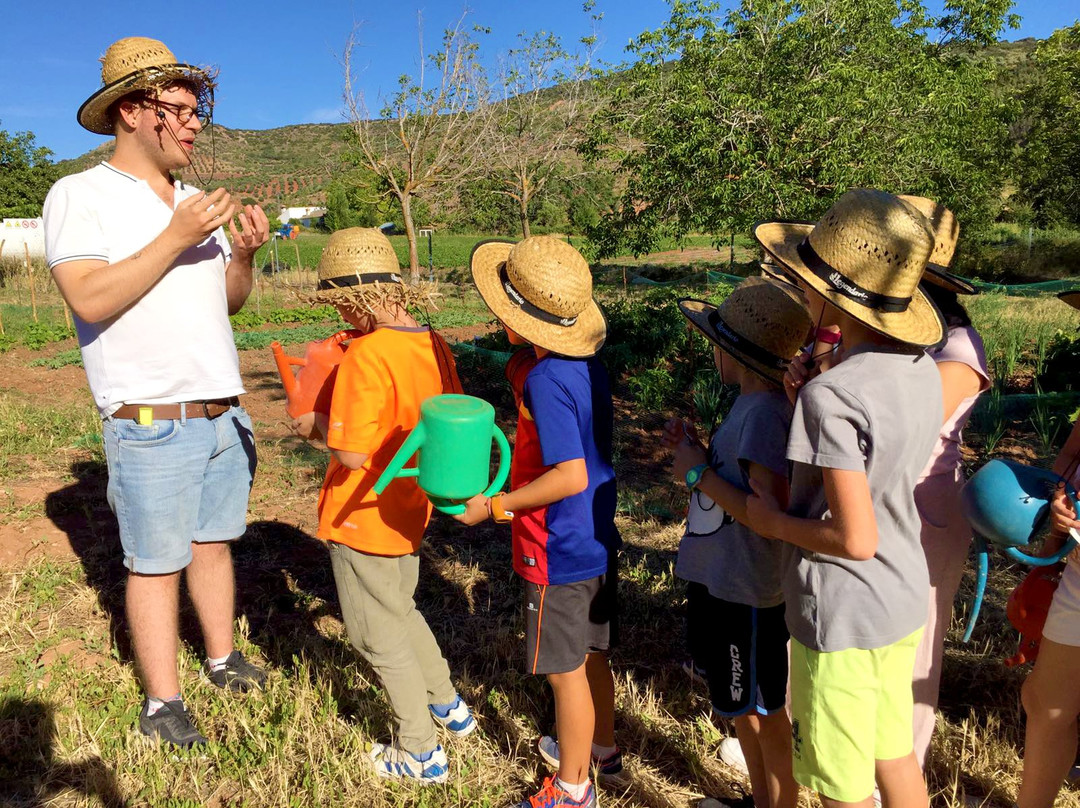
(762, 324)
(946, 233)
(138, 63)
(866, 256)
(359, 267)
(541, 288)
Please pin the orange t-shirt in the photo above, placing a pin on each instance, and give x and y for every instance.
(381, 382)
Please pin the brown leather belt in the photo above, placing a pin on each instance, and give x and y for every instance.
(171, 412)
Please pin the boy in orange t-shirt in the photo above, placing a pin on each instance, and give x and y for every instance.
(374, 540)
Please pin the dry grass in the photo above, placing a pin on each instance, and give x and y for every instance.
(69, 697)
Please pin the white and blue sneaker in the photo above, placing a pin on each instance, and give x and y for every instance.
(609, 770)
(457, 718)
(392, 761)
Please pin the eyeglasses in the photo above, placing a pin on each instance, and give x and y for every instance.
(182, 112)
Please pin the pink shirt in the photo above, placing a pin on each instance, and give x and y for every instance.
(966, 346)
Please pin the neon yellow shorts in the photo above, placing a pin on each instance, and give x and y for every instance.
(848, 709)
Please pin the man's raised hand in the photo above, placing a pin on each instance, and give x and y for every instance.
(197, 217)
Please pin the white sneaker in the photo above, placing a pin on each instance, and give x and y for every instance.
(458, 720)
(731, 754)
(392, 761)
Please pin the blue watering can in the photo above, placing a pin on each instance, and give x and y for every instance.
(1007, 503)
(453, 438)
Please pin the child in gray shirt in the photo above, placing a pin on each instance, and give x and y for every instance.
(855, 578)
(735, 608)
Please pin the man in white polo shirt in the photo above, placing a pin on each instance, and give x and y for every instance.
(144, 264)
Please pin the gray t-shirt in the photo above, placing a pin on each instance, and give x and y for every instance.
(735, 563)
(878, 411)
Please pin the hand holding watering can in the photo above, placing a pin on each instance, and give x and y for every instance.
(311, 389)
(453, 438)
(1007, 503)
(1027, 609)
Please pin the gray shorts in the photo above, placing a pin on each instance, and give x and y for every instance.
(565, 622)
(175, 482)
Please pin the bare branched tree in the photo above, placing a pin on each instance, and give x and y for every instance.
(547, 94)
(431, 132)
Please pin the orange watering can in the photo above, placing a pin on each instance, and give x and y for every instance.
(1027, 609)
(313, 385)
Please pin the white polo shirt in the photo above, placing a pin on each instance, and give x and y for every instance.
(173, 344)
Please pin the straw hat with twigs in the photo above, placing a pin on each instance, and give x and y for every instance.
(359, 268)
(138, 64)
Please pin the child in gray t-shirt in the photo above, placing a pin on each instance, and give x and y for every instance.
(855, 579)
(735, 609)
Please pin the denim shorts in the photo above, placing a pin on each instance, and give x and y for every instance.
(175, 482)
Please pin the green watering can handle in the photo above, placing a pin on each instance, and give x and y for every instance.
(458, 508)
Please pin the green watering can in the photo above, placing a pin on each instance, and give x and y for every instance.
(454, 440)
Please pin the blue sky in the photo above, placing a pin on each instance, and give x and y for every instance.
(279, 61)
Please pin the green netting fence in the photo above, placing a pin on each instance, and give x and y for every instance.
(712, 276)
(1029, 289)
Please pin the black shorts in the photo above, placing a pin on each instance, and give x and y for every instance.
(743, 651)
(564, 622)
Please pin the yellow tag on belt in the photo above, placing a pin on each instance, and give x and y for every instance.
(146, 416)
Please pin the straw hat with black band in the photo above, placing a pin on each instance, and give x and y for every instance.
(865, 256)
(541, 288)
(137, 64)
(359, 267)
(762, 324)
(946, 234)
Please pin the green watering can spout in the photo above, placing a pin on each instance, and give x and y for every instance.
(453, 437)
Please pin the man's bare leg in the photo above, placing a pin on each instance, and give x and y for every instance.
(152, 603)
(212, 588)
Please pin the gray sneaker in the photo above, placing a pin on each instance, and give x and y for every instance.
(237, 674)
(171, 724)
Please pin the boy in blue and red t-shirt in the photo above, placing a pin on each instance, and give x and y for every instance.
(562, 500)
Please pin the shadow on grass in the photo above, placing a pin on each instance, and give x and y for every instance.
(29, 774)
(82, 512)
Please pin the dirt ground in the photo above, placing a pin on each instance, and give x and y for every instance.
(35, 531)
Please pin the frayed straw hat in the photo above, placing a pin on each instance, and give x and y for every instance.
(359, 267)
(762, 324)
(865, 256)
(542, 289)
(137, 63)
(946, 233)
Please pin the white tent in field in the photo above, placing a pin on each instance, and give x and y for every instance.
(16, 232)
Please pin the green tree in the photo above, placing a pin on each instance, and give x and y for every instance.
(778, 107)
(26, 174)
(1049, 159)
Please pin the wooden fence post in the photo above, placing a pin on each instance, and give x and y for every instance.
(30, 275)
(299, 276)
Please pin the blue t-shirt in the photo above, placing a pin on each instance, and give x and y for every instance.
(565, 414)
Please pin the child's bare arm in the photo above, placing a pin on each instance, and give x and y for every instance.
(350, 460)
(559, 482)
(850, 532)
